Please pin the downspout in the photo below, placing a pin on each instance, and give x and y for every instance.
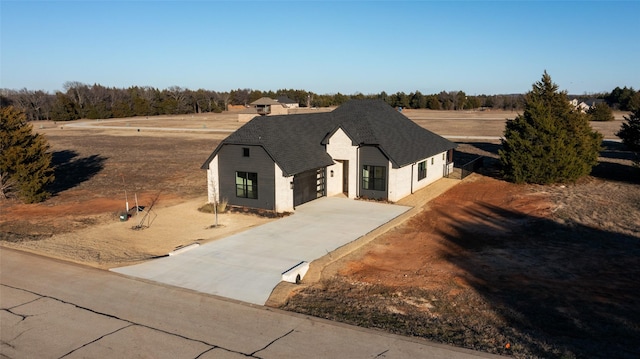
(293, 192)
(358, 174)
(412, 166)
(390, 165)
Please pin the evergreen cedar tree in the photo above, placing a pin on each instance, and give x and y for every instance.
(25, 163)
(630, 133)
(550, 142)
(601, 112)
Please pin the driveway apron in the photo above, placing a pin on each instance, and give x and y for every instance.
(248, 265)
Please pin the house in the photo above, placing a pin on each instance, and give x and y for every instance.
(266, 106)
(586, 105)
(287, 102)
(583, 107)
(364, 148)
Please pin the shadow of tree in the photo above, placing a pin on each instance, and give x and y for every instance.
(616, 172)
(468, 151)
(615, 164)
(565, 289)
(616, 150)
(71, 170)
(614, 160)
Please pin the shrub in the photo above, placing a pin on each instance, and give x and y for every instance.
(630, 133)
(600, 112)
(221, 207)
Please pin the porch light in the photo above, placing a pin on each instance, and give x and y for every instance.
(291, 183)
(331, 173)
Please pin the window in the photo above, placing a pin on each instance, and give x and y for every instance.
(374, 178)
(422, 170)
(245, 152)
(247, 185)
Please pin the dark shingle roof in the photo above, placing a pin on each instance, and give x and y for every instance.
(295, 142)
(402, 140)
(285, 99)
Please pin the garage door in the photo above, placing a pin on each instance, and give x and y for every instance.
(308, 186)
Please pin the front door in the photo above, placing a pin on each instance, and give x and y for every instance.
(345, 178)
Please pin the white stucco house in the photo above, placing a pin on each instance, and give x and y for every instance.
(362, 149)
(586, 105)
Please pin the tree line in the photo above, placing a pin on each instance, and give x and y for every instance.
(549, 142)
(79, 100)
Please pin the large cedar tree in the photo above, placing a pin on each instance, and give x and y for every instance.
(25, 163)
(550, 142)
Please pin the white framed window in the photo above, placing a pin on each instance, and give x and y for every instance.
(374, 178)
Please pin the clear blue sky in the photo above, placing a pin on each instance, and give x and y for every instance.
(479, 47)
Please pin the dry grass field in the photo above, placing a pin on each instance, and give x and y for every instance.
(525, 271)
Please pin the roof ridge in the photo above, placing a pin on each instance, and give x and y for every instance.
(297, 142)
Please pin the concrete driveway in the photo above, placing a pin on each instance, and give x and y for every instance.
(247, 266)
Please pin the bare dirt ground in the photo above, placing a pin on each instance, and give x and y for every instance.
(527, 271)
(95, 167)
(519, 270)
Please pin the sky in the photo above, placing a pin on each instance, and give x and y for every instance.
(326, 47)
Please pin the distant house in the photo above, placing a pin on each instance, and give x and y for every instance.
(364, 148)
(263, 106)
(287, 102)
(584, 106)
(266, 106)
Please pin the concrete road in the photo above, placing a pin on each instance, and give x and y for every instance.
(53, 309)
(247, 266)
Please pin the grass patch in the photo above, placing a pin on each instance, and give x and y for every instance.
(221, 207)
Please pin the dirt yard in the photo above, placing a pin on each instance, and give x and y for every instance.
(81, 222)
(526, 271)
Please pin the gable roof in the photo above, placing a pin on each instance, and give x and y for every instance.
(265, 101)
(374, 122)
(296, 142)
